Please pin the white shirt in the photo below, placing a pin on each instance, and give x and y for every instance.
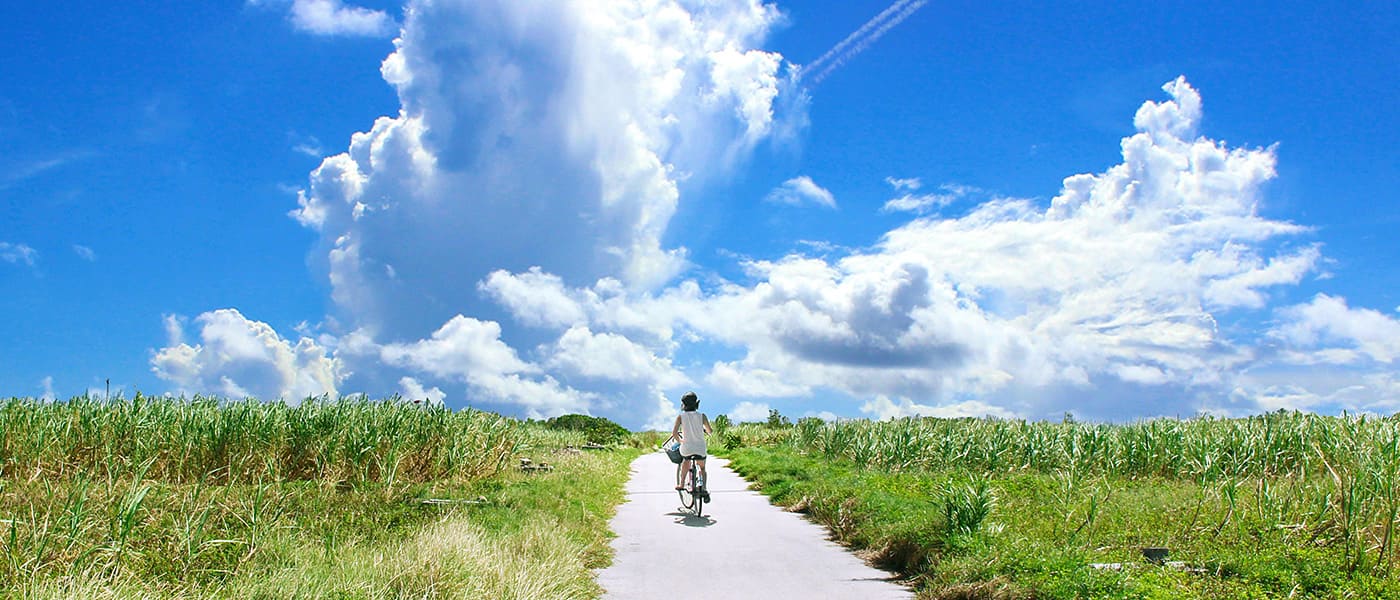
(693, 433)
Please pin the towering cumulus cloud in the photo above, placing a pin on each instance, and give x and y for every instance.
(546, 134)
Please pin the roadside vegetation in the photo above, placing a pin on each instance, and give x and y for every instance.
(1283, 505)
(207, 498)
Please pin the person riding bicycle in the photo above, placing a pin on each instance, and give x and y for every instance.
(690, 428)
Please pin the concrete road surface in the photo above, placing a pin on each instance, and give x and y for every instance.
(743, 547)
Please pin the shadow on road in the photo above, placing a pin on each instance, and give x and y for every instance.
(690, 520)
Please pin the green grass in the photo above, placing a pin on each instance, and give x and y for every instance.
(995, 509)
(212, 440)
(114, 500)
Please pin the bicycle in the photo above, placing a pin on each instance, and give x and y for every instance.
(689, 480)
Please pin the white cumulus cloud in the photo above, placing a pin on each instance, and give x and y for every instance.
(613, 357)
(410, 389)
(744, 381)
(1328, 326)
(471, 351)
(239, 358)
(535, 134)
(1111, 291)
(749, 412)
(463, 347)
(535, 298)
(531, 172)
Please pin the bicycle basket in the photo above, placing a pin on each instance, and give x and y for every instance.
(673, 451)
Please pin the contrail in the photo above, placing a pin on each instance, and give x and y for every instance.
(861, 39)
(871, 24)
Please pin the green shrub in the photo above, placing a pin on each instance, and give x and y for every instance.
(598, 429)
(721, 424)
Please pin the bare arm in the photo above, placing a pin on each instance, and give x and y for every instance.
(676, 429)
(708, 429)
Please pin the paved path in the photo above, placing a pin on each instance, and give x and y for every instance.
(743, 547)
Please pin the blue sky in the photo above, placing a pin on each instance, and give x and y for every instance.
(865, 209)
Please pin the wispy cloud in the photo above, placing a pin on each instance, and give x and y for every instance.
(918, 203)
(333, 17)
(25, 171)
(904, 184)
(860, 39)
(85, 252)
(799, 191)
(923, 203)
(34, 168)
(17, 253)
(309, 146)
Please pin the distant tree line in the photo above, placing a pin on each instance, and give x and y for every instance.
(598, 430)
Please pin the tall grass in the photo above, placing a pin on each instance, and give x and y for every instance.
(216, 441)
(178, 497)
(539, 537)
(1275, 444)
(1330, 478)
